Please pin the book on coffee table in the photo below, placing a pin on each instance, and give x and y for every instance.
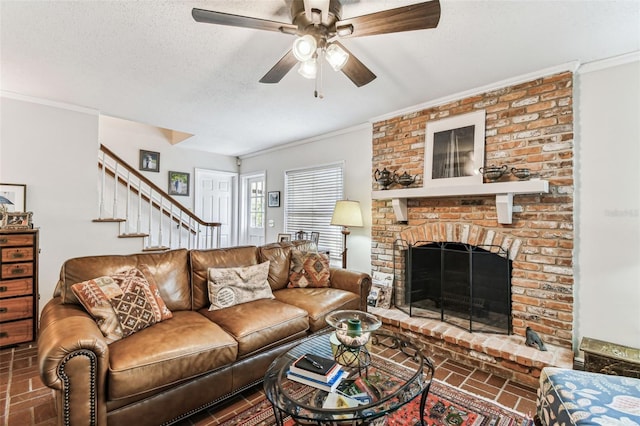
(328, 386)
(315, 367)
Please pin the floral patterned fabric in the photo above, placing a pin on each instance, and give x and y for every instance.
(572, 397)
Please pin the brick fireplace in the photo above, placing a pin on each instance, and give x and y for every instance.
(530, 125)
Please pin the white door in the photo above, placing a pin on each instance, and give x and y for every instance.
(215, 201)
(252, 207)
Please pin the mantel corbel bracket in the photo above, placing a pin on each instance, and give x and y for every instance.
(504, 207)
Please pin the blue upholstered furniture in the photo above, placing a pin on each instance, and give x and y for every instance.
(573, 397)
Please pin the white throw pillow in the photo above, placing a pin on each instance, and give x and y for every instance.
(232, 286)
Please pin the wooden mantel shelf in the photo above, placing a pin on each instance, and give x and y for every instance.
(503, 191)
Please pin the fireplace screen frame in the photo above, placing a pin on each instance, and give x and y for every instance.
(468, 311)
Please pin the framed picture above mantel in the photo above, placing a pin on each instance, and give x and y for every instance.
(454, 150)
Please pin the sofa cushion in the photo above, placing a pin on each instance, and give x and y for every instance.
(232, 286)
(259, 324)
(182, 347)
(279, 256)
(169, 270)
(122, 303)
(308, 269)
(318, 302)
(201, 260)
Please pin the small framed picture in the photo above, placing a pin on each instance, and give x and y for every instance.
(273, 198)
(284, 237)
(178, 183)
(149, 161)
(17, 220)
(315, 236)
(16, 194)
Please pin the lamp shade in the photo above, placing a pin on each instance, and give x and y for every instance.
(347, 213)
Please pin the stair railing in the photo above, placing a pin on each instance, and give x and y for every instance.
(144, 210)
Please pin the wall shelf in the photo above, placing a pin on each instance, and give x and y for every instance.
(504, 192)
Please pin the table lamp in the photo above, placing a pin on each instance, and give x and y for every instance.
(346, 213)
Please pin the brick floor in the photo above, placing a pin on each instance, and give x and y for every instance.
(27, 402)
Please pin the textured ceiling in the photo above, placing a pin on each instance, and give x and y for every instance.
(149, 61)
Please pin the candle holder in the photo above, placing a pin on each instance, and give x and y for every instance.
(353, 330)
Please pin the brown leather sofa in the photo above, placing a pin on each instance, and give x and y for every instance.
(179, 366)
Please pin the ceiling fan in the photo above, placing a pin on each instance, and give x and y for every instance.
(318, 25)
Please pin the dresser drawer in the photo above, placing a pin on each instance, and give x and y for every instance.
(16, 308)
(8, 240)
(17, 254)
(17, 270)
(16, 332)
(19, 287)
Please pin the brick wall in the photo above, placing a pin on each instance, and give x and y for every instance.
(527, 125)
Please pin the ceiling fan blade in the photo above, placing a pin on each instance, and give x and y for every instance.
(280, 69)
(357, 72)
(220, 18)
(419, 16)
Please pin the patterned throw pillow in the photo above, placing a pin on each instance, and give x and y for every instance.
(122, 303)
(232, 286)
(308, 269)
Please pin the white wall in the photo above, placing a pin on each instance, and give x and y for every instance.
(127, 138)
(53, 149)
(607, 176)
(352, 146)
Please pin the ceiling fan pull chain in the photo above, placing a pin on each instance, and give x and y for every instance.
(318, 92)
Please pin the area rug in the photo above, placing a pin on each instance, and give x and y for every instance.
(446, 406)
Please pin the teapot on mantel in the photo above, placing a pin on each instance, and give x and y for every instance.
(384, 177)
(405, 179)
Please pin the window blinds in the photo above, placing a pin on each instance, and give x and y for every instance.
(310, 197)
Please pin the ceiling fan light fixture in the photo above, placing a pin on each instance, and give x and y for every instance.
(336, 56)
(304, 47)
(308, 69)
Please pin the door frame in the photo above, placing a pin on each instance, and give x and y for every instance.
(197, 200)
(243, 205)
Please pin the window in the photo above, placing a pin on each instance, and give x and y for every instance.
(256, 204)
(310, 197)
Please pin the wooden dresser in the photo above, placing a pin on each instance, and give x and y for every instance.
(18, 286)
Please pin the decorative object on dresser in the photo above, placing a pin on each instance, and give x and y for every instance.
(346, 213)
(16, 193)
(18, 286)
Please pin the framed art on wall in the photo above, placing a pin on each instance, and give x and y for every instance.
(149, 161)
(273, 198)
(454, 150)
(17, 194)
(179, 183)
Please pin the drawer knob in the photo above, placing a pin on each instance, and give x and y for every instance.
(17, 271)
(3, 334)
(3, 288)
(3, 310)
(4, 240)
(17, 255)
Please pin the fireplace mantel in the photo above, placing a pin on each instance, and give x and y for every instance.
(504, 192)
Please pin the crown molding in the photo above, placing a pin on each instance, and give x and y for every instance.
(363, 126)
(609, 62)
(568, 66)
(47, 102)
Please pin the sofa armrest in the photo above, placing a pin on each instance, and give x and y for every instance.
(73, 358)
(355, 282)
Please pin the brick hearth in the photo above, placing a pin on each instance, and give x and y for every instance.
(504, 356)
(527, 125)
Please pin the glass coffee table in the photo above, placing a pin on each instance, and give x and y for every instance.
(396, 374)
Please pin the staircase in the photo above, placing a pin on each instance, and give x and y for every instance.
(143, 210)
